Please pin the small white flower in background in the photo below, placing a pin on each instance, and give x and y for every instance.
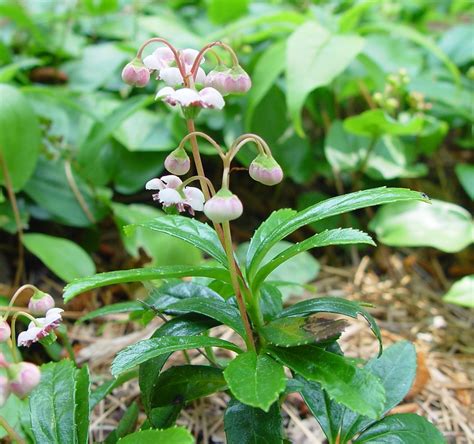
(190, 198)
(162, 60)
(4, 390)
(40, 303)
(5, 331)
(41, 328)
(25, 376)
(206, 98)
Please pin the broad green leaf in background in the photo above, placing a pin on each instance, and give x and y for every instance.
(50, 179)
(339, 236)
(453, 43)
(406, 428)
(186, 383)
(190, 230)
(150, 348)
(19, 136)
(174, 435)
(375, 123)
(120, 307)
(314, 58)
(96, 67)
(62, 256)
(250, 425)
(282, 223)
(347, 384)
(165, 248)
(224, 11)
(56, 416)
(461, 292)
(255, 380)
(79, 286)
(465, 173)
(441, 225)
(268, 68)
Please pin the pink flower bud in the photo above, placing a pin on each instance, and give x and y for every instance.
(4, 390)
(223, 207)
(229, 81)
(24, 377)
(136, 73)
(265, 169)
(40, 303)
(178, 162)
(5, 331)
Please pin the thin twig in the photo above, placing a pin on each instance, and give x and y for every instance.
(77, 192)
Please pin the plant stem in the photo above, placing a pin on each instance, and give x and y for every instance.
(235, 284)
(15, 437)
(16, 214)
(365, 161)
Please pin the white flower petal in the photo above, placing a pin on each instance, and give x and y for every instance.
(171, 181)
(211, 98)
(151, 62)
(53, 315)
(195, 198)
(171, 76)
(187, 97)
(161, 58)
(155, 184)
(188, 56)
(164, 92)
(168, 197)
(201, 76)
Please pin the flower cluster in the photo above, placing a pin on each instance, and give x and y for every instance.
(182, 74)
(41, 328)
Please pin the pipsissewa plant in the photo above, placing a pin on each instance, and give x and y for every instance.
(291, 349)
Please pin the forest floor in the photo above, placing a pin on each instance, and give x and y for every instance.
(405, 288)
(406, 294)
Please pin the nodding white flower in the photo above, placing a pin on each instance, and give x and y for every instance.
(265, 169)
(178, 162)
(206, 98)
(229, 80)
(41, 328)
(136, 73)
(40, 303)
(170, 194)
(163, 61)
(224, 206)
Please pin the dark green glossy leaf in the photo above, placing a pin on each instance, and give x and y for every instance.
(82, 401)
(190, 230)
(120, 307)
(271, 303)
(149, 372)
(347, 384)
(292, 331)
(255, 380)
(282, 223)
(53, 405)
(250, 425)
(406, 428)
(150, 348)
(79, 286)
(219, 310)
(171, 292)
(375, 123)
(185, 383)
(333, 305)
(339, 236)
(174, 435)
(164, 417)
(396, 369)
